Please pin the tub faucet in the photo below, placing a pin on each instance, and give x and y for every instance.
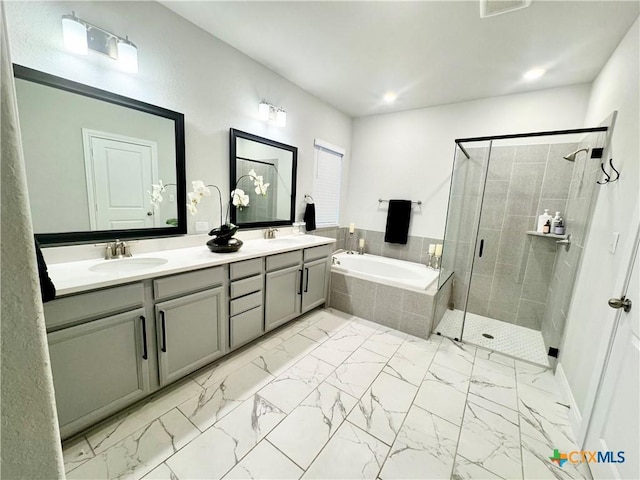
(335, 261)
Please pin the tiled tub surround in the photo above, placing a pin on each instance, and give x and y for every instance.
(510, 281)
(416, 249)
(404, 309)
(335, 396)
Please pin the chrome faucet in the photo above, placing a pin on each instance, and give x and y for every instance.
(335, 261)
(270, 233)
(117, 249)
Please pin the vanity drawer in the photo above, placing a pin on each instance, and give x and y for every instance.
(96, 304)
(315, 253)
(248, 285)
(187, 282)
(245, 327)
(245, 303)
(245, 269)
(282, 260)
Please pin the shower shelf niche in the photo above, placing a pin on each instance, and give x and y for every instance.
(548, 235)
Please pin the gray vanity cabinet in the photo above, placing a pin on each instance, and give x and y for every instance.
(98, 368)
(189, 328)
(189, 333)
(314, 290)
(246, 313)
(283, 288)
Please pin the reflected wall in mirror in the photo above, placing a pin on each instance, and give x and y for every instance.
(91, 157)
(276, 163)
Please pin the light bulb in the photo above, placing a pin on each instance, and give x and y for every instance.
(128, 56)
(263, 111)
(74, 35)
(534, 74)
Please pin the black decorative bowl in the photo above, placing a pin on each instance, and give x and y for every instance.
(223, 241)
(232, 245)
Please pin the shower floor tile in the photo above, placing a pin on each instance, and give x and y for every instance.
(514, 340)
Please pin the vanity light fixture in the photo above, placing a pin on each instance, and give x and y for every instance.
(80, 36)
(267, 111)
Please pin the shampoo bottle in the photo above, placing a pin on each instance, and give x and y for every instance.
(555, 221)
(542, 219)
(559, 228)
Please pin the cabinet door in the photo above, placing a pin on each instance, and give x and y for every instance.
(189, 333)
(314, 291)
(283, 289)
(98, 368)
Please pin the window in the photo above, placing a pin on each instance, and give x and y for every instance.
(326, 182)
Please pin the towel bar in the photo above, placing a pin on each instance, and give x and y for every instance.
(419, 202)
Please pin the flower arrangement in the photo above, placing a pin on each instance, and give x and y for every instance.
(222, 235)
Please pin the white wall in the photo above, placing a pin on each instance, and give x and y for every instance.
(185, 69)
(410, 154)
(601, 275)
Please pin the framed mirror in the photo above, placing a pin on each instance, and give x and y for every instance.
(276, 163)
(91, 158)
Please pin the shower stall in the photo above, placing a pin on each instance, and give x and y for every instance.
(503, 285)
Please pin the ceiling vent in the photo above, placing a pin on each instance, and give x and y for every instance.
(489, 8)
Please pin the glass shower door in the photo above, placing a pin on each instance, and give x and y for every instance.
(463, 214)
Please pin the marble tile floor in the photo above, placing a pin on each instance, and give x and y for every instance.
(335, 396)
(513, 340)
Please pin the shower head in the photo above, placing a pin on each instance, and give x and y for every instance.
(572, 156)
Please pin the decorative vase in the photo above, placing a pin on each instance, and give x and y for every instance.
(223, 241)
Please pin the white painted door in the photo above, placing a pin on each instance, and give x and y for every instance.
(120, 171)
(615, 423)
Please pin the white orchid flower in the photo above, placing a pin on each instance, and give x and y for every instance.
(261, 189)
(252, 173)
(200, 188)
(192, 208)
(155, 194)
(239, 198)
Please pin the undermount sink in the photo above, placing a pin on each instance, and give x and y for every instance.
(127, 265)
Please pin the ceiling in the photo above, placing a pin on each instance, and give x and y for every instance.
(428, 52)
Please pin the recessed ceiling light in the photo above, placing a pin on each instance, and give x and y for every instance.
(389, 97)
(534, 74)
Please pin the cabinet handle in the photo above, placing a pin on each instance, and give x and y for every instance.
(144, 337)
(300, 286)
(163, 348)
(306, 282)
(481, 248)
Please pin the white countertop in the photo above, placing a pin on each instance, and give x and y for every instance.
(75, 277)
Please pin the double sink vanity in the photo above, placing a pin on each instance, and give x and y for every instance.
(122, 329)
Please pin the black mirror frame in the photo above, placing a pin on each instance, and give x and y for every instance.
(46, 79)
(235, 134)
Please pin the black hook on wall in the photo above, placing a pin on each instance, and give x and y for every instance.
(609, 179)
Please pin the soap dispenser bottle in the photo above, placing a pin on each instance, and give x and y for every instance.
(555, 222)
(542, 219)
(546, 228)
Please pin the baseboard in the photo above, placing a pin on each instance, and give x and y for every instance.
(575, 417)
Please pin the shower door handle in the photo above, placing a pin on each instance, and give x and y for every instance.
(481, 248)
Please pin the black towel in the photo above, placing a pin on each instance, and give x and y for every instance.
(310, 217)
(398, 218)
(47, 289)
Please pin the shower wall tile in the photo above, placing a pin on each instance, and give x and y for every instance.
(391, 250)
(538, 273)
(505, 293)
(514, 239)
(494, 204)
(557, 178)
(524, 188)
(486, 264)
(479, 294)
(501, 163)
(531, 154)
(443, 298)
(530, 314)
